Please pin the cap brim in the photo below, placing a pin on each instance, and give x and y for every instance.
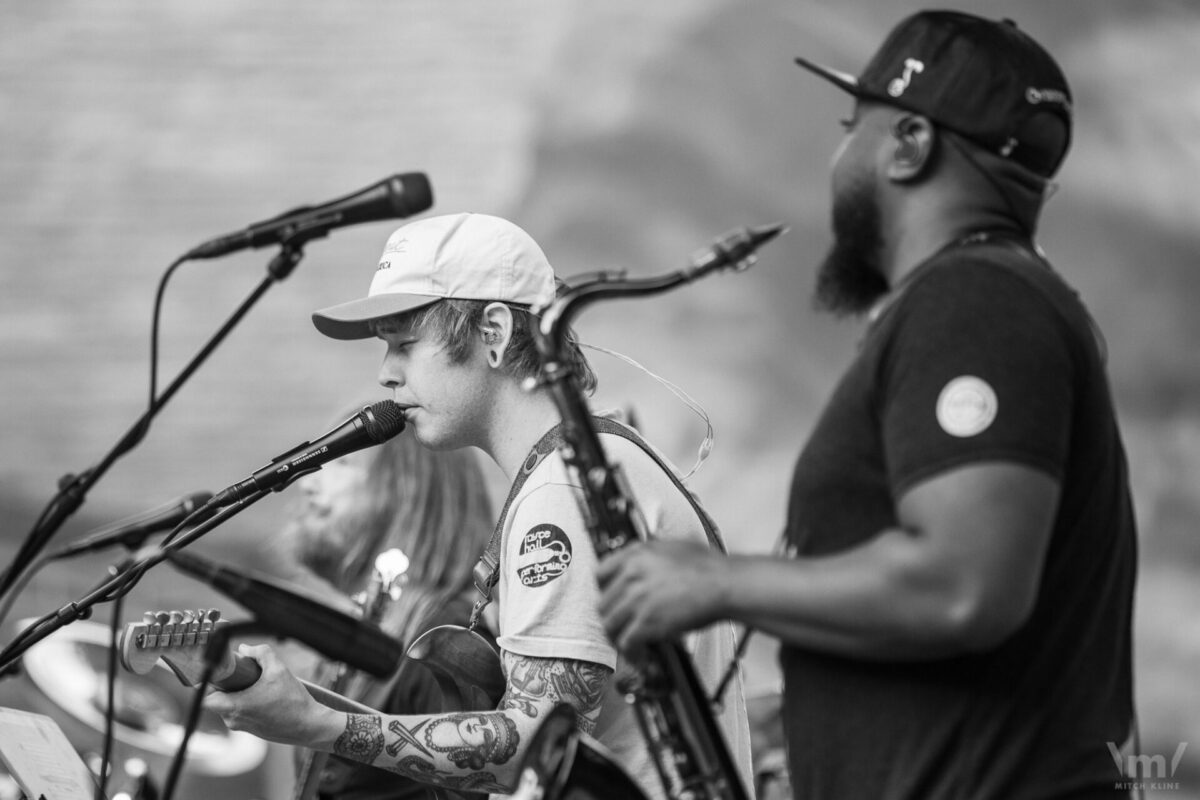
(843, 80)
(353, 320)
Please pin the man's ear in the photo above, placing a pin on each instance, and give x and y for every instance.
(916, 139)
(496, 330)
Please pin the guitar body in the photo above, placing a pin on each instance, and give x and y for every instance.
(465, 665)
(564, 764)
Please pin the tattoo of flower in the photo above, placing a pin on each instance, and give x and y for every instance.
(362, 740)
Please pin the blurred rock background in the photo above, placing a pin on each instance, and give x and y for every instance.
(621, 135)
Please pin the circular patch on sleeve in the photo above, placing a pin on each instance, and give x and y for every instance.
(966, 406)
(544, 555)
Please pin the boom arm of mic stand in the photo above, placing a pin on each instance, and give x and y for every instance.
(72, 496)
(116, 586)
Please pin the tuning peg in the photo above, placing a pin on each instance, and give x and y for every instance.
(206, 625)
(214, 614)
(147, 637)
(173, 630)
(153, 629)
(190, 626)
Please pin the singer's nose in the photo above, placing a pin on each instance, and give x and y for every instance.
(391, 376)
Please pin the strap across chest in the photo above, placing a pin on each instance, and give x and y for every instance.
(487, 569)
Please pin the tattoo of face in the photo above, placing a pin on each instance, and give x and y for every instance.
(362, 740)
(472, 740)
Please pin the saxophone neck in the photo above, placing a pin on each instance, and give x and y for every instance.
(736, 250)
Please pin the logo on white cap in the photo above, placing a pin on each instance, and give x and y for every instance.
(966, 406)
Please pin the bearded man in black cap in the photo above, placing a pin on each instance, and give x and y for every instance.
(955, 612)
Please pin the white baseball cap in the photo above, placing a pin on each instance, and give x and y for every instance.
(461, 256)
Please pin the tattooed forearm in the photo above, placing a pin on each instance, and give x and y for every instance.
(470, 741)
(479, 750)
(362, 740)
(542, 682)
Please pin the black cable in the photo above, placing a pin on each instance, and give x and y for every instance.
(192, 721)
(154, 326)
(110, 708)
(121, 583)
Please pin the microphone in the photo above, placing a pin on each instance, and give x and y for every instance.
(286, 612)
(401, 195)
(373, 425)
(132, 532)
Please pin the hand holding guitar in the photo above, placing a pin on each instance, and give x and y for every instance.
(277, 703)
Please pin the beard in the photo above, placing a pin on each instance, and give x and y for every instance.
(321, 543)
(850, 278)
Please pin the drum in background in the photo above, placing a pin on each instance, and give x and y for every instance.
(65, 678)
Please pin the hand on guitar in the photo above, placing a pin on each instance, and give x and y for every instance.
(276, 706)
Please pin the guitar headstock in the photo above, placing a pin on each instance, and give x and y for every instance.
(179, 638)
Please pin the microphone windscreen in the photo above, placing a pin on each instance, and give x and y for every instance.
(383, 420)
(412, 195)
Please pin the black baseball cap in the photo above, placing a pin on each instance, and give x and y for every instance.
(983, 79)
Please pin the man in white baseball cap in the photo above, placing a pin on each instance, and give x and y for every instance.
(451, 298)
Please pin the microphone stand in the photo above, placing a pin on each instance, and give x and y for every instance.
(213, 652)
(74, 488)
(117, 586)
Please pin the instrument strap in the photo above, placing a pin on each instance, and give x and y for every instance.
(487, 569)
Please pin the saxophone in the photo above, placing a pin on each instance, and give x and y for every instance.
(386, 584)
(670, 704)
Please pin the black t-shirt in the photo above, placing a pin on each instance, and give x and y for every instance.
(984, 354)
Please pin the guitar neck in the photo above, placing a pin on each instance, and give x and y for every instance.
(246, 672)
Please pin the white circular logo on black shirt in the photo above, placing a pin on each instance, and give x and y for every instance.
(966, 406)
